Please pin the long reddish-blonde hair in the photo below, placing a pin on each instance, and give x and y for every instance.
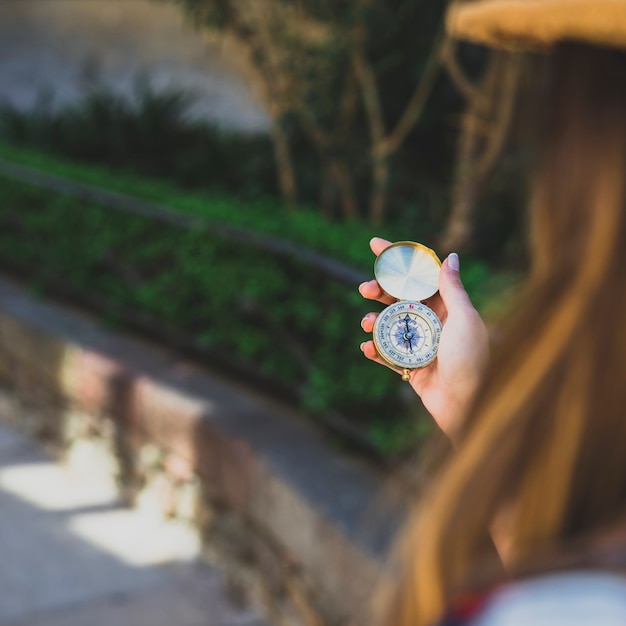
(543, 452)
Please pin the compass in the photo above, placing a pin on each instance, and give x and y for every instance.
(406, 334)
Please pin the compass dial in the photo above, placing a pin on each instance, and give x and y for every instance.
(406, 334)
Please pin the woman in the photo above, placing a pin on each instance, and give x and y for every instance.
(540, 435)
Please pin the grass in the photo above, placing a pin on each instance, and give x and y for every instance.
(344, 241)
(347, 242)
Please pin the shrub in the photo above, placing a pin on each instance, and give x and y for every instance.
(151, 136)
(278, 320)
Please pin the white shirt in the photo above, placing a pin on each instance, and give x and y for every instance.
(589, 598)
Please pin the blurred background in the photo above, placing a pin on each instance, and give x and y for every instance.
(207, 174)
(236, 157)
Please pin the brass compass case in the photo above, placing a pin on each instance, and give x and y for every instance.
(406, 334)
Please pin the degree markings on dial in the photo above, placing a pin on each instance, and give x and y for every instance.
(394, 338)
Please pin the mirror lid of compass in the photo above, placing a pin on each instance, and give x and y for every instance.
(408, 271)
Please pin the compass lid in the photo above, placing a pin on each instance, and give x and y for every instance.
(408, 271)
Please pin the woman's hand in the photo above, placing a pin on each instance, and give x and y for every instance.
(448, 385)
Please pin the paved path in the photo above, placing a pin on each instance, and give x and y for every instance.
(70, 555)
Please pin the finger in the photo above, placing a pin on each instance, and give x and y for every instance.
(372, 291)
(451, 288)
(369, 350)
(378, 244)
(367, 323)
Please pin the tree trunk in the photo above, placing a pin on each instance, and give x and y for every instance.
(327, 191)
(373, 109)
(284, 164)
(459, 226)
(342, 178)
(486, 127)
(384, 145)
(261, 62)
(380, 173)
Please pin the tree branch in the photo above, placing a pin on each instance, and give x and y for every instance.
(418, 101)
(373, 108)
(369, 89)
(466, 87)
(502, 126)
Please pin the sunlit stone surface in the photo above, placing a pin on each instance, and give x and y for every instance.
(72, 555)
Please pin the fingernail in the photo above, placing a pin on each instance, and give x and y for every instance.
(365, 317)
(453, 262)
(362, 346)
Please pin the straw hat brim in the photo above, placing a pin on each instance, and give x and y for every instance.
(538, 24)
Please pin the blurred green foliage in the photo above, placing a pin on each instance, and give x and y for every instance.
(280, 321)
(347, 242)
(276, 319)
(151, 136)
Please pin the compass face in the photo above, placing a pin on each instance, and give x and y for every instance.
(406, 334)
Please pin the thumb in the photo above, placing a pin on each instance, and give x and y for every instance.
(451, 288)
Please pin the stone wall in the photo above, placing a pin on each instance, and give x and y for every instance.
(282, 513)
